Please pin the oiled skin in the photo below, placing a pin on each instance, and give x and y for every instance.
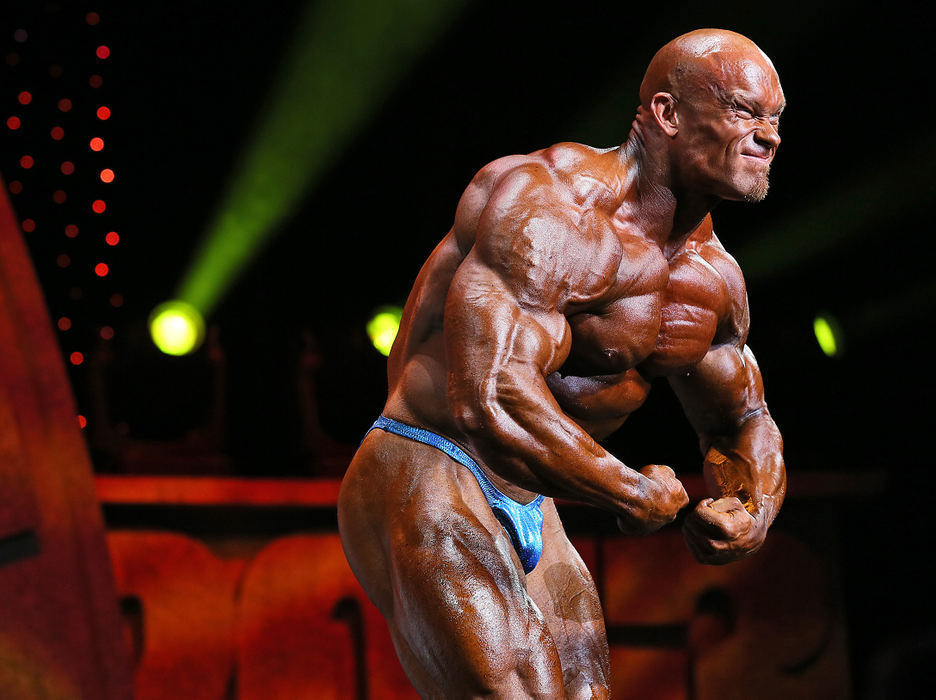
(571, 277)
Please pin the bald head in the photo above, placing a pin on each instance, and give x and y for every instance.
(710, 114)
(702, 61)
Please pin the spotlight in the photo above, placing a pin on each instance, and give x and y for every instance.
(383, 326)
(828, 335)
(177, 328)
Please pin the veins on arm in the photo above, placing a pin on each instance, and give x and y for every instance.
(723, 397)
(505, 331)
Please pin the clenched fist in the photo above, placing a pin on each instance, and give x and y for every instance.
(722, 531)
(663, 496)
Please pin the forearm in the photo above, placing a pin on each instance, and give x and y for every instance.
(748, 463)
(504, 334)
(520, 433)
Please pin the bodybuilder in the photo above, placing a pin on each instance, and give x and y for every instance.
(572, 277)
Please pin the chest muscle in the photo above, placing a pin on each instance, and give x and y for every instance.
(663, 328)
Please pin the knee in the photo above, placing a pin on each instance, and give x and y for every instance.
(583, 688)
(589, 677)
(529, 670)
(519, 677)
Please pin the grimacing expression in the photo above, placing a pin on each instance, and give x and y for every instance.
(728, 128)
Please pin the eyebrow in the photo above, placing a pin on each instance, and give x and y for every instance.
(734, 97)
(755, 105)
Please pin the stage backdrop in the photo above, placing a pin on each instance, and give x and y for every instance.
(60, 631)
(235, 589)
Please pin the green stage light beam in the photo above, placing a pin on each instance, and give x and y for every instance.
(343, 61)
(904, 306)
(861, 207)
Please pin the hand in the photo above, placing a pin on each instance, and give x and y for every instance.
(722, 531)
(663, 497)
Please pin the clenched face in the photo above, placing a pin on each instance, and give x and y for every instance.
(729, 117)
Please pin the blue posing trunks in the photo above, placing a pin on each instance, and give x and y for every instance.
(523, 522)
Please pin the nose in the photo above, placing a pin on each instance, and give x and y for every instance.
(767, 134)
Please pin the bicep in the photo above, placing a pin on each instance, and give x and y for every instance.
(723, 391)
(488, 331)
(505, 298)
(505, 328)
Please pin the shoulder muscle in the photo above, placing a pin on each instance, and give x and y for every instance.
(545, 247)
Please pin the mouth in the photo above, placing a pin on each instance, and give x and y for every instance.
(766, 157)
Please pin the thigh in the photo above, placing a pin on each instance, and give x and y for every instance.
(426, 547)
(462, 620)
(565, 593)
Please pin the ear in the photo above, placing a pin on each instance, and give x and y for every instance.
(663, 109)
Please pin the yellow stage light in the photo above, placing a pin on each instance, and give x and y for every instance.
(828, 335)
(177, 328)
(383, 326)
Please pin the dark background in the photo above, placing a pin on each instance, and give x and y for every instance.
(845, 229)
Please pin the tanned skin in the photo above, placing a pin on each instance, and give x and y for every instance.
(571, 278)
